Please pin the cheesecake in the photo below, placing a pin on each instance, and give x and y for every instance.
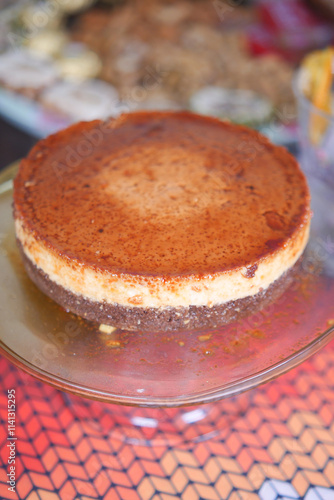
(160, 221)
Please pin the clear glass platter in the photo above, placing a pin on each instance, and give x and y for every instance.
(166, 369)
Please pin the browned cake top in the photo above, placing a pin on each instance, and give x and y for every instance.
(161, 193)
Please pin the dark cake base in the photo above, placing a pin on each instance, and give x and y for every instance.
(158, 319)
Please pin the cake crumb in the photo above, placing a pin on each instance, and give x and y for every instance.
(107, 329)
(114, 343)
(330, 322)
(203, 338)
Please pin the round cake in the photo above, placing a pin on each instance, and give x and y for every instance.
(160, 220)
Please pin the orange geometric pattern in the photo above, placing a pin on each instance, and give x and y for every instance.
(281, 446)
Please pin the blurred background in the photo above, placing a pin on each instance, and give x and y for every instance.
(67, 60)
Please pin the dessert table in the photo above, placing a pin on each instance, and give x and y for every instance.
(275, 441)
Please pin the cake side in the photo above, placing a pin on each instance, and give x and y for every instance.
(161, 291)
(158, 319)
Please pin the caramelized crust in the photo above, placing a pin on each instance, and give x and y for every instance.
(161, 194)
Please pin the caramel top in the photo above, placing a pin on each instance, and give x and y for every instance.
(161, 193)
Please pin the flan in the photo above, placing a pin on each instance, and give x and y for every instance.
(160, 221)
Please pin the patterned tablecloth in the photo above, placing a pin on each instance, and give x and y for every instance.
(282, 447)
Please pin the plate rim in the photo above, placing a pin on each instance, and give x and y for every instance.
(208, 396)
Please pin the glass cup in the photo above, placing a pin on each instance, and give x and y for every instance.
(316, 134)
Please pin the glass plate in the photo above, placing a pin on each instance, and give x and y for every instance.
(166, 369)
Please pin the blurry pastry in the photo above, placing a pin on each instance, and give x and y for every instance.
(24, 72)
(47, 42)
(78, 63)
(239, 106)
(86, 100)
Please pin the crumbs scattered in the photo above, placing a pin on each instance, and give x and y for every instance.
(107, 329)
(258, 334)
(114, 343)
(330, 322)
(207, 352)
(203, 338)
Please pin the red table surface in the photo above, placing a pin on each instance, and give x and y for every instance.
(282, 447)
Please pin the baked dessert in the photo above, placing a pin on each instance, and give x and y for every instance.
(160, 220)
